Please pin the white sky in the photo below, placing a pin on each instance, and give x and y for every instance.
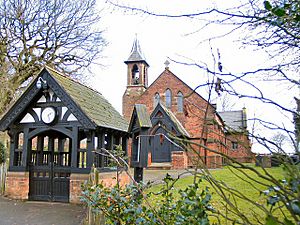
(161, 38)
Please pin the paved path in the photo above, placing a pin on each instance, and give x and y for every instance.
(39, 213)
(156, 176)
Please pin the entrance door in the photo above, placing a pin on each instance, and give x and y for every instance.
(50, 168)
(161, 151)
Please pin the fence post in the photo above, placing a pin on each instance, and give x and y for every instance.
(2, 177)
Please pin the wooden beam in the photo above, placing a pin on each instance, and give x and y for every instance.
(74, 152)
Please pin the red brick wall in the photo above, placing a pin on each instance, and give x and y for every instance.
(109, 179)
(130, 97)
(243, 153)
(179, 160)
(17, 185)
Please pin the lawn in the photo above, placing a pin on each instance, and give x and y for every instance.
(236, 180)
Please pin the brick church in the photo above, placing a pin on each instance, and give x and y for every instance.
(175, 111)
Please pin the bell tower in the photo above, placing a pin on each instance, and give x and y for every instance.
(137, 78)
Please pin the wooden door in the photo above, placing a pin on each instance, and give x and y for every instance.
(50, 169)
(161, 151)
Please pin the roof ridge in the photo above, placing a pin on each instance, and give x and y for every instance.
(74, 80)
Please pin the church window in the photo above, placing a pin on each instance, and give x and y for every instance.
(234, 145)
(135, 74)
(180, 102)
(156, 99)
(168, 98)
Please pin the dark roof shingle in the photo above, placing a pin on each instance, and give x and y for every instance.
(234, 120)
(91, 102)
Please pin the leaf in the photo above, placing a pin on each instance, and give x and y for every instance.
(268, 5)
(288, 222)
(279, 11)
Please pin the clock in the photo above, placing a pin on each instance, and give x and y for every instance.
(48, 115)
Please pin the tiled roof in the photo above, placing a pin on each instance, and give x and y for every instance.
(234, 120)
(91, 102)
(143, 116)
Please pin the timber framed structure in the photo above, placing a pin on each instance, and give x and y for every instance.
(54, 128)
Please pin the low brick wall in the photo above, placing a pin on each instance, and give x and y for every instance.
(108, 178)
(17, 185)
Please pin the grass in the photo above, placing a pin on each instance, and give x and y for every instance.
(237, 180)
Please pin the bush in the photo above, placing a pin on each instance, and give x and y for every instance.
(130, 206)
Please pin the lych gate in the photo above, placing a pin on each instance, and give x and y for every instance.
(54, 128)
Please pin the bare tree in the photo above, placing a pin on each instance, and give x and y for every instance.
(57, 33)
(279, 140)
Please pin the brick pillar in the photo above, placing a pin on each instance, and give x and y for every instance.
(75, 186)
(179, 160)
(149, 159)
(17, 185)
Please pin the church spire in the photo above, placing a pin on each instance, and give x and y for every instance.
(137, 78)
(136, 54)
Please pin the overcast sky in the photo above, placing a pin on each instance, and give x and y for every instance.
(176, 38)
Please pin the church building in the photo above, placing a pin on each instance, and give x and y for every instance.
(177, 112)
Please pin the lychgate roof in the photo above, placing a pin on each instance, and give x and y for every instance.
(93, 103)
(91, 108)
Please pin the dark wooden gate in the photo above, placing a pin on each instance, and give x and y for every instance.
(50, 170)
(161, 151)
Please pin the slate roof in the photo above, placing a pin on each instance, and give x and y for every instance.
(136, 54)
(176, 122)
(91, 102)
(234, 120)
(143, 116)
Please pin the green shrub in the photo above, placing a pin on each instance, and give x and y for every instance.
(129, 206)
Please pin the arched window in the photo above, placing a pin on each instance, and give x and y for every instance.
(168, 98)
(156, 99)
(135, 74)
(180, 102)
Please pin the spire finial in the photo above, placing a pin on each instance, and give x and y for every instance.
(136, 53)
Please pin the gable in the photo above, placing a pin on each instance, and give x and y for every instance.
(72, 101)
(167, 79)
(34, 112)
(29, 107)
(139, 118)
(162, 116)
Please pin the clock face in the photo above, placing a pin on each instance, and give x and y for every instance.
(48, 115)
